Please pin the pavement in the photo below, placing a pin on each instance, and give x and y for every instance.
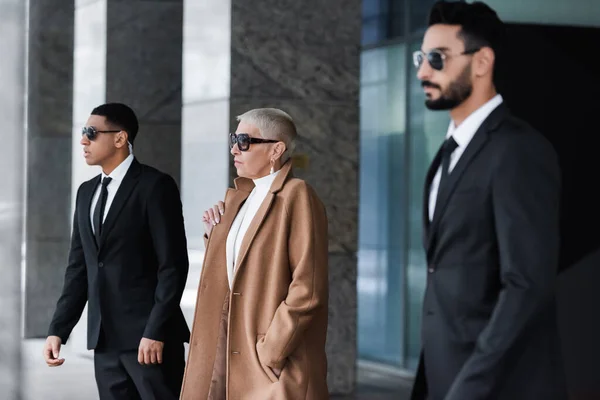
(74, 380)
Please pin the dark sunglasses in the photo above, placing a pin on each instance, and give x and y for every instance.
(92, 133)
(244, 140)
(436, 57)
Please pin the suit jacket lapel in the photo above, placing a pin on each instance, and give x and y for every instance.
(435, 164)
(129, 182)
(86, 197)
(476, 144)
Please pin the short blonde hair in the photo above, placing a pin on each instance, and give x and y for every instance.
(273, 124)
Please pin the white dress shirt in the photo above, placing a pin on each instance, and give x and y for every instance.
(117, 176)
(243, 219)
(462, 134)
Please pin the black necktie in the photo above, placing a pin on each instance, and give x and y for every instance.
(99, 210)
(447, 149)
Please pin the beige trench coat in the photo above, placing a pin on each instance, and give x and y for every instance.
(278, 301)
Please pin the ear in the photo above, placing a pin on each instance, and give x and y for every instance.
(484, 62)
(121, 139)
(278, 150)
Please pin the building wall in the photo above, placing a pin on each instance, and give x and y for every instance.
(12, 160)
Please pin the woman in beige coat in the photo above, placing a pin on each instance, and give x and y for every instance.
(261, 314)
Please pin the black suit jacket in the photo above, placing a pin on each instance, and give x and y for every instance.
(133, 281)
(489, 328)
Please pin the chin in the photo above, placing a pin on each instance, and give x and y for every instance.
(440, 104)
(240, 172)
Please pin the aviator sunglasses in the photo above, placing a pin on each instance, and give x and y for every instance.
(436, 57)
(92, 133)
(244, 140)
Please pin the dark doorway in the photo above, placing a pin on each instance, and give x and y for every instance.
(549, 77)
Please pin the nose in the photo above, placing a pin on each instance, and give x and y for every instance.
(425, 71)
(235, 150)
(84, 140)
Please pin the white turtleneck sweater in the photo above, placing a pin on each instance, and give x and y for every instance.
(243, 219)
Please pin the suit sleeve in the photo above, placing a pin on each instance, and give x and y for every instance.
(308, 292)
(74, 295)
(165, 219)
(526, 196)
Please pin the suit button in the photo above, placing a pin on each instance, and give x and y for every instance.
(101, 264)
(235, 352)
(431, 270)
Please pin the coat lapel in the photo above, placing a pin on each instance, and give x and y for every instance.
(473, 148)
(252, 230)
(260, 216)
(87, 196)
(130, 181)
(234, 199)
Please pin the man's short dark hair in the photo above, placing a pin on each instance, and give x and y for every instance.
(121, 116)
(480, 25)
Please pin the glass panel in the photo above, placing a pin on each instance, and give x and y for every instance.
(419, 14)
(373, 8)
(427, 130)
(578, 13)
(89, 82)
(374, 30)
(205, 115)
(397, 24)
(382, 220)
(204, 125)
(382, 20)
(89, 91)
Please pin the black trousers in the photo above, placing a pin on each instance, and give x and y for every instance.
(119, 376)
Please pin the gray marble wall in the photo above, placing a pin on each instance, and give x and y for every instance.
(49, 116)
(12, 137)
(143, 70)
(303, 57)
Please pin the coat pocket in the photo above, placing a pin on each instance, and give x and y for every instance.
(267, 370)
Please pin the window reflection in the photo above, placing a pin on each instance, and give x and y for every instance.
(381, 216)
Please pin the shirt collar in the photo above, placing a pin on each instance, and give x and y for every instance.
(265, 181)
(118, 174)
(465, 131)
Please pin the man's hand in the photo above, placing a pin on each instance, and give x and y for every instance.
(52, 351)
(150, 352)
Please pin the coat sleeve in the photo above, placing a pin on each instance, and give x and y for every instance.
(526, 195)
(308, 291)
(165, 218)
(74, 295)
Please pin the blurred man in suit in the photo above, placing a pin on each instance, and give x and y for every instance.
(491, 224)
(129, 262)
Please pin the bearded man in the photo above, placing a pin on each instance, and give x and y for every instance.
(491, 227)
